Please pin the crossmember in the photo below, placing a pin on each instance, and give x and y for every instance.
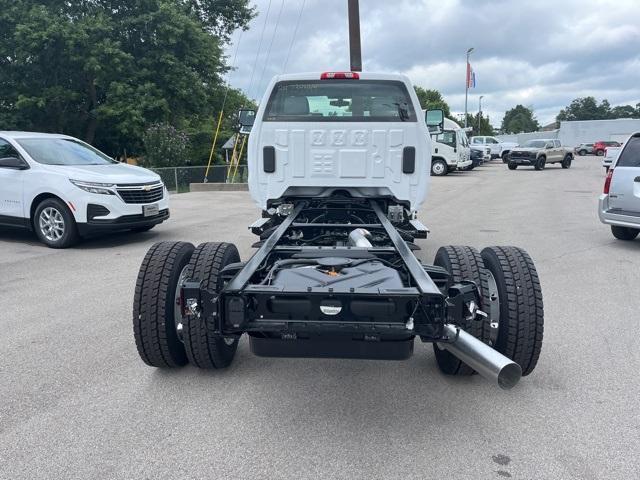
(252, 302)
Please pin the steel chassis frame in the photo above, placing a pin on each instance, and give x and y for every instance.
(281, 316)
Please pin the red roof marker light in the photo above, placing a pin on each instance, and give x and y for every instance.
(340, 76)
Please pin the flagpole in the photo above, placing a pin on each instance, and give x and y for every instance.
(466, 87)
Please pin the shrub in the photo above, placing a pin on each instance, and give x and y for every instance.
(165, 146)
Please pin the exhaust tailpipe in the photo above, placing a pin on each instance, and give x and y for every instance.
(360, 238)
(488, 362)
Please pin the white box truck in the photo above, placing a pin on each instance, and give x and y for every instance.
(450, 150)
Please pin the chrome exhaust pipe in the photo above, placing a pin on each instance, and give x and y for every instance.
(488, 362)
(360, 238)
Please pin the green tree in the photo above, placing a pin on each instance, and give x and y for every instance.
(585, 108)
(479, 126)
(625, 111)
(432, 100)
(164, 146)
(201, 130)
(104, 70)
(519, 119)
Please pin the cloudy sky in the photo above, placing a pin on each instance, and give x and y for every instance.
(540, 53)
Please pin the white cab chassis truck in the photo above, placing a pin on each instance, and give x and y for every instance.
(450, 149)
(339, 165)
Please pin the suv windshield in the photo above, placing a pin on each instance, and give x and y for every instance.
(535, 143)
(63, 151)
(340, 101)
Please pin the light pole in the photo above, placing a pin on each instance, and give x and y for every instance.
(480, 112)
(466, 86)
(355, 51)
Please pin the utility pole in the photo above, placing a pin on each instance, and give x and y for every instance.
(355, 50)
(466, 86)
(480, 112)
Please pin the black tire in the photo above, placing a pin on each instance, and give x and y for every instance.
(540, 163)
(204, 348)
(566, 161)
(463, 263)
(439, 168)
(505, 157)
(512, 166)
(624, 233)
(582, 153)
(600, 153)
(154, 304)
(142, 229)
(70, 230)
(521, 322)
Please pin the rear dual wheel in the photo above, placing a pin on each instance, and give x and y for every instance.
(204, 348)
(164, 338)
(510, 294)
(463, 263)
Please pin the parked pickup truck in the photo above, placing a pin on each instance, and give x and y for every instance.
(498, 149)
(538, 153)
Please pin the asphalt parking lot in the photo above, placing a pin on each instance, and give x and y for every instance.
(77, 402)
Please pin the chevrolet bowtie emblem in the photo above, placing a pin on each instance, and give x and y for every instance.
(146, 188)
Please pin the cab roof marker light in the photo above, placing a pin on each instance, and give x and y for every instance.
(340, 76)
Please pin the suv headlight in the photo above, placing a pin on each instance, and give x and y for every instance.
(92, 187)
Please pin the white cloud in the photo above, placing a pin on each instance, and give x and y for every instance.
(542, 54)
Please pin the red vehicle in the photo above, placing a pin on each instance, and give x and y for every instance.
(600, 146)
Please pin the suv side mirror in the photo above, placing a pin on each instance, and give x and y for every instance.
(14, 163)
(435, 121)
(246, 118)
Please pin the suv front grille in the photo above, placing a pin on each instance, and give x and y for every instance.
(141, 193)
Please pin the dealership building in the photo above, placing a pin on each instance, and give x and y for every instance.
(583, 131)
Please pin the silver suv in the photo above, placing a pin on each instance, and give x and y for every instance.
(619, 205)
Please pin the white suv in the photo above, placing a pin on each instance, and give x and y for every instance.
(498, 149)
(63, 189)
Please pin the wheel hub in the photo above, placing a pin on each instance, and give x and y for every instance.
(51, 224)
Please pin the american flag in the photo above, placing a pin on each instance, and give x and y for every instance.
(471, 77)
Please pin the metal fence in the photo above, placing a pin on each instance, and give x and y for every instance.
(177, 179)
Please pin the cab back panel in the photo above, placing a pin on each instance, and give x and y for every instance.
(316, 155)
(339, 155)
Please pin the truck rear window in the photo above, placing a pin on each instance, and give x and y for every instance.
(340, 101)
(630, 156)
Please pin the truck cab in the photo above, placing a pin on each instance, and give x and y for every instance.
(450, 149)
(339, 163)
(360, 133)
